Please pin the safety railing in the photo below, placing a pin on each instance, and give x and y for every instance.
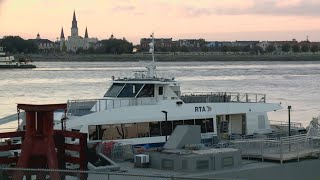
(87, 106)
(12, 173)
(206, 97)
(286, 124)
(282, 149)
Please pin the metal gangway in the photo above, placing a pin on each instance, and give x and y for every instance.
(314, 128)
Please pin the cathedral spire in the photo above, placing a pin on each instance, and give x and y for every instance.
(62, 33)
(74, 21)
(74, 16)
(86, 33)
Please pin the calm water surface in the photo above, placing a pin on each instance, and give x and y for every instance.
(291, 83)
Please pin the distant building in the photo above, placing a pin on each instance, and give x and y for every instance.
(218, 43)
(278, 44)
(211, 44)
(251, 44)
(159, 42)
(189, 43)
(43, 44)
(263, 45)
(74, 42)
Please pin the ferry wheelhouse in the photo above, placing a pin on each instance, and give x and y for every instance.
(145, 109)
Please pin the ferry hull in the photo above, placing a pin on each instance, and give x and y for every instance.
(13, 66)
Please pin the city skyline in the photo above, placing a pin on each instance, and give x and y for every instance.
(212, 20)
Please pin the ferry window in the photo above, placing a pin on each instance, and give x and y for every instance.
(130, 90)
(202, 123)
(155, 129)
(166, 128)
(209, 125)
(189, 122)
(160, 90)
(143, 129)
(131, 131)
(121, 131)
(114, 90)
(96, 132)
(147, 91)
(176, 123)
(111, 132)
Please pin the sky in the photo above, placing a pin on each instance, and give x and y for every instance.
(177, 19)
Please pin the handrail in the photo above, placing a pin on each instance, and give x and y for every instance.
(286, 124)
(86, 106)
(283, 148)
(230, 96)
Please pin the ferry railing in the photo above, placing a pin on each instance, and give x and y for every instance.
(87, 106)
(9, 173)
(286, 124)
(224, 97)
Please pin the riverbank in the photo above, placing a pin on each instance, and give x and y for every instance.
(175, 57)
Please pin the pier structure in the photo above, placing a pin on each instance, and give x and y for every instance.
(41, 146)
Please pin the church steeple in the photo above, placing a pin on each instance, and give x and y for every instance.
(74, 28)
(62, 33)
(86, 33)
(74, 21)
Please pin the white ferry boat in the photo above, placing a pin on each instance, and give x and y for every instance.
(146, 108)
(10, 62)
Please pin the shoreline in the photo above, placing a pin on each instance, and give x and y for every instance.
(173, 58)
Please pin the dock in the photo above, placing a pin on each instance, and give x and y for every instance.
(280, 149)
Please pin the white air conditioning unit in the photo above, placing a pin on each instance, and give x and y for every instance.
(141, 160)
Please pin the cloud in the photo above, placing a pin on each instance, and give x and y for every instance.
(261, 7)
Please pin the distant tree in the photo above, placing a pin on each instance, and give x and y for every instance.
(204, 49)
(202, 42)
(286, 47)
(270, 48)
(184, 49)
(305, 48)
(16, 44)
(64, 47)
(234, 49)
(296, 48)
(115, 46)
(80, 50)
(162, 49)
(174, 49)
(91, 50)
(256, 50)
(225, 49)
(314, 48)
(246, 48)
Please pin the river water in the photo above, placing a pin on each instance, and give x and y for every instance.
(291, 83)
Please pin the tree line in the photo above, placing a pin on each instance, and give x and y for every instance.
(253, 49)
(109, 46)
(15, 44)
(296, 48)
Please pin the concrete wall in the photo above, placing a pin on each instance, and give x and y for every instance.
(305, 170)
(194, 162)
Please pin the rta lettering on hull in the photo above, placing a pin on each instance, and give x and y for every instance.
(203, 109)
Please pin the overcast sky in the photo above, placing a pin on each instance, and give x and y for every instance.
(133, 19)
